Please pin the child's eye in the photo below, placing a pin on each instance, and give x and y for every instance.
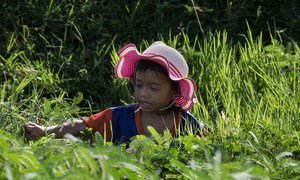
(138, 85)
(155, 89)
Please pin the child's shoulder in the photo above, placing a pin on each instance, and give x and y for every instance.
(123, 113)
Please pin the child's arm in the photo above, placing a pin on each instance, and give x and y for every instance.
(34, 131)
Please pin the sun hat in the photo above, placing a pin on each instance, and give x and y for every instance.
(169, 58)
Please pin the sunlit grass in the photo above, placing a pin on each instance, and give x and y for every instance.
(248, 95)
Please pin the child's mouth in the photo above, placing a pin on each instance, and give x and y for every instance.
(145, 105)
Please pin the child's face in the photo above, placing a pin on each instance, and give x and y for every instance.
(152, 90)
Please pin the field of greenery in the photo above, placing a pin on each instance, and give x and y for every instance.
(56, 64)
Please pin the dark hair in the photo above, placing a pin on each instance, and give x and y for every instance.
(146, 65)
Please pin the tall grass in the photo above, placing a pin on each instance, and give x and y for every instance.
(248, 95)
(57, 60)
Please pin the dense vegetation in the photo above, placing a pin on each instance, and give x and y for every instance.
(56, 63)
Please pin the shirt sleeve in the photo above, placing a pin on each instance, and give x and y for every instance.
(101, 122)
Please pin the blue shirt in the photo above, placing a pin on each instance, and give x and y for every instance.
(119, 124)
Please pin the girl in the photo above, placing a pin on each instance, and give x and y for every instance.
(163, 92)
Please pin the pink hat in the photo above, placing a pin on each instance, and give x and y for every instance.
(168, 57)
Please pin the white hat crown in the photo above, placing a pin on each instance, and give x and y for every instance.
(171, 55)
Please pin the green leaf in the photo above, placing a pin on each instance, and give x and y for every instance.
(47, 105)
(87, 160)
(156, 135)
(98, 138)
(78, 98)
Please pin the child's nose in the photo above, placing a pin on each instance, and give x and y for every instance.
(144, 93)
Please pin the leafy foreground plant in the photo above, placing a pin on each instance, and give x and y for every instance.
(68, 158)
(189, 157)
(159, 156)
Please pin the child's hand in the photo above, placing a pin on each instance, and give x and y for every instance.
(34, 131)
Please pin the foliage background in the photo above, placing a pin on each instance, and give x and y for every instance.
(74, 37)
(56, 63)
